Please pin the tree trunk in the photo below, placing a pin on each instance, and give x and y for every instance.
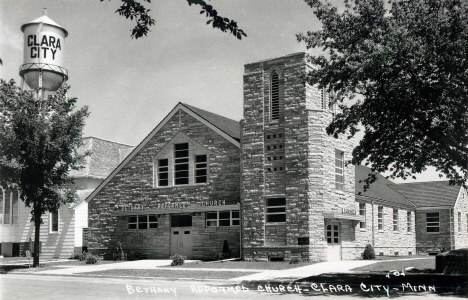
(37, 226)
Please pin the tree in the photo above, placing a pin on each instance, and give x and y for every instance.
(405, 69)
(138, 12)
(38, 142)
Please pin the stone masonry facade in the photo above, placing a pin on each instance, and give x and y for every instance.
(305, 175)
(135, 185)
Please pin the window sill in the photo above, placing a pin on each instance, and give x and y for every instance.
(274, 223)
(181, 185)
(363, 229)
(54, 233)
(340, 192)
(433, 232)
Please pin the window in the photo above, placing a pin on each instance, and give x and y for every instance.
(362, 212)
(459, 222)
(200, 169)
(54, 221)
(222, 218)
(276, 210)
(7, 215)
(143, 222)
(380, 217)
(2, 200)
(274, 96)
(408, 221)
(395, 219)
(163, 172)
(325, 99)
(181, 221)
(181, 163)
(339, 170)
(432, 222)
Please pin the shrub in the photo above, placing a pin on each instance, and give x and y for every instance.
(368, 252)
(91, 259)
(294, 260)
(177, 260)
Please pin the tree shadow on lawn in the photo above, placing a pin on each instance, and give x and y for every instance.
(9, 268)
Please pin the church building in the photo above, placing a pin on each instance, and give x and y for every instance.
(271, 187)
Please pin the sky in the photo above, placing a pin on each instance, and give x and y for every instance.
(131, 85)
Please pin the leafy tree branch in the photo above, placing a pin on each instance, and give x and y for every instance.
(408, 63)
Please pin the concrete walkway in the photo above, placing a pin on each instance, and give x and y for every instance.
(310, 270)
(137, 264)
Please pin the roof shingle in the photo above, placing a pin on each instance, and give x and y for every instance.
(378, 190)
(104, 158)
(229, 126)
(429, 194)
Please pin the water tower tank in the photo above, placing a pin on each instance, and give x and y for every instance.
(43, 54)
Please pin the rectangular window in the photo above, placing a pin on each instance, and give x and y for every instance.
(459, 222)
(200, 169)
(54, 221)
(362, 212)
(339, 170)
(380, 217)
(432, 222)
(181, 221)
(2, 200)
(408, 221)
(181, 163)
(276, 210)
(325, 99)
(163, 172)
(142, 222)
(7, 207)
(395, 219)
(14, 207)
(132, 222)
(222, 218)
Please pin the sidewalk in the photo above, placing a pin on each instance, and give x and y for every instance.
(137, 264)
(310, 270)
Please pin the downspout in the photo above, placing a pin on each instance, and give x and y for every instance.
(450, 228)
(373, 225)
(240, 231)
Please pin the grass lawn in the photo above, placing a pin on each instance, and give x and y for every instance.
(171, 274)
(250, 265)
(45, 265)
(426, 264)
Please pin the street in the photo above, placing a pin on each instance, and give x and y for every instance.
(16, 286)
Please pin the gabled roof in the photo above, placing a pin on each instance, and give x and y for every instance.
(380, 190)
(104, 158)
(227, 128)
(429, 194)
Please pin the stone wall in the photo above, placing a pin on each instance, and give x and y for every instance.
(386, 241)
(134, 184)
(461, 206)
(427, 240)
(307, 180)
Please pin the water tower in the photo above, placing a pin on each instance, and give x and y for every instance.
(43, 55)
